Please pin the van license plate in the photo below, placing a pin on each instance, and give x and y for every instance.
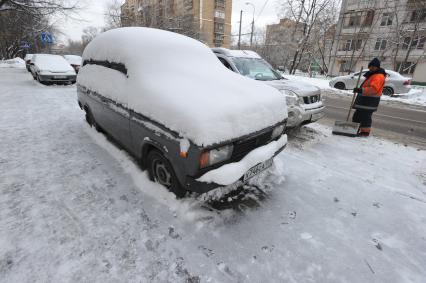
(60, 77)
(257, 169)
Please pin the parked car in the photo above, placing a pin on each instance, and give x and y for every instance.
(395, 83)
(303, 100)
(75, 61)
(27, 60)
(194, 128)
(47, 68)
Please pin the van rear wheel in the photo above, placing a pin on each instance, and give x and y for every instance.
(161, 171)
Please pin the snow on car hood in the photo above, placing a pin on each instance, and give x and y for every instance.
(178, 81)
(301, 89)
(52, 63)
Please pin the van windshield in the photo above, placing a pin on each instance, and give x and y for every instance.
(256, 69)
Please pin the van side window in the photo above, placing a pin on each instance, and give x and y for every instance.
(225, 63)
(111, 65)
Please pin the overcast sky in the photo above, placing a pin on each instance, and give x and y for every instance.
(92, 14)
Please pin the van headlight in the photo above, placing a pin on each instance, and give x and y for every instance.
(291, 97)
(278, 131)
(216, 155)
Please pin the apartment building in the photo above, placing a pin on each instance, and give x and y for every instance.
(281, 41)
(392, 30)
(206, 20)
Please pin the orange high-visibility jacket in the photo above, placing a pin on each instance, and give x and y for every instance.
(373, 86)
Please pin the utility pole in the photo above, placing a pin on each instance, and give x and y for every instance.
(252, 23)
(239, 33)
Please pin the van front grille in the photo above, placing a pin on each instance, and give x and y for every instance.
(242, 148)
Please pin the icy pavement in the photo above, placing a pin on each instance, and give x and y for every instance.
(74, 207)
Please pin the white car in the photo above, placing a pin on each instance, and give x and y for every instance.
(75, 61)
(395, 83)
(47, 68)
(304, 103)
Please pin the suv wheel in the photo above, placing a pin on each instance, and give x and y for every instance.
(388, 91)
(161, 171)
(340, 85)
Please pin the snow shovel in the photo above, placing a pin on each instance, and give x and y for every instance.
(346, 128)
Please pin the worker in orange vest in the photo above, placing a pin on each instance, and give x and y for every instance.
(368, 98)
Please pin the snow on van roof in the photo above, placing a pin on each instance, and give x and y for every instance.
(179, 82)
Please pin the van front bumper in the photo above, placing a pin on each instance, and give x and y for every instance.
(193, 185)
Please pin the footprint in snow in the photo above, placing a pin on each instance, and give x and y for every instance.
(173, 234)
(377, 244)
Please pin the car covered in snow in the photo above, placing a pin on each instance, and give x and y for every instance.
(303, 100)
(75, 61)
(48, 68)
(27, 60)
(168, 101)
(395, 83)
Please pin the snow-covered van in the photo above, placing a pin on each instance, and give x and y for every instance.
(167, 100)
(303, 100)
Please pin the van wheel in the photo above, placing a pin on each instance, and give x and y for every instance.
(388, 91)
(340, 85)
(91, 120)
(161, 171)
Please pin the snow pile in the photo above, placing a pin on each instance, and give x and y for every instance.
(53, 63)
(17, 62)
(179, 82)
(73, 59)
(230, 173)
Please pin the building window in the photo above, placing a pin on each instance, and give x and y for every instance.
(219, 14)
(351, 44)
(368, 20)
(418, 16)
(353, 20)
(218, 40)
(380, 44)
(418, 42)
(220, 4)
(408, 68)
(345, 66)
(386, 19)
(219, 28)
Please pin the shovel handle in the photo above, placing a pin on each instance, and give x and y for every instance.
(353, 97)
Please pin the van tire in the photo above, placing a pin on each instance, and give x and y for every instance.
(161, 171)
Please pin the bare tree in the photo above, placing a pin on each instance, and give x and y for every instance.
(308, 15)
(113, 14)
(24, 20)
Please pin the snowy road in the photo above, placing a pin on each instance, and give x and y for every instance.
(74, 208)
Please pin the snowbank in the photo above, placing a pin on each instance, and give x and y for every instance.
(230, 173)
(179, 82)
(13, 63)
